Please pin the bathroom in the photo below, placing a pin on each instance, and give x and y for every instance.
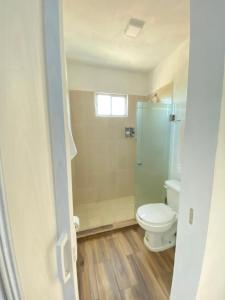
(112, 165)
(127, 95)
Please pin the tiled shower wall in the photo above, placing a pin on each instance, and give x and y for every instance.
(103, 170)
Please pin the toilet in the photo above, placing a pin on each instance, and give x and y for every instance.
(159, 220)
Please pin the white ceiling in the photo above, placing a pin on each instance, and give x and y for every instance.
(94, 31)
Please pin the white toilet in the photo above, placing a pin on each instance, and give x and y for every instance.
(160, 220)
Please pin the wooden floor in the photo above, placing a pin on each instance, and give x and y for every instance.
(116, 265)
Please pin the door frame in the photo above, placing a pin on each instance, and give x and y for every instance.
(204, 99)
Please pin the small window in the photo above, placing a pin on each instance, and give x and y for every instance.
(111, 105)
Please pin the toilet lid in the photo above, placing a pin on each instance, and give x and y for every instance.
(156, 213)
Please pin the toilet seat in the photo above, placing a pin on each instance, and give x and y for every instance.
(160, 224)
(156, 214)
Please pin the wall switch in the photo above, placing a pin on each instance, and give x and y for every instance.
(191, 216)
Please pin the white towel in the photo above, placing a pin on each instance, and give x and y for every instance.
(73, 148)
(76, 222)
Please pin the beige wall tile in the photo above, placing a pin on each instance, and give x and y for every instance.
(103, 170)
(125, 183)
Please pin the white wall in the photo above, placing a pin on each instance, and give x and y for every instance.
(174, 68)
(25, 149)
(86, 77)
(205, 82)
(212, 281)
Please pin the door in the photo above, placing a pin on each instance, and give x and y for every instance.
(60, 140)
(60, 146)
(34, 152)
(153, 150)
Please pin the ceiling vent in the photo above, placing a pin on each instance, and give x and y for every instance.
(134, 27)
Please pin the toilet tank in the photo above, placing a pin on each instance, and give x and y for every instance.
(173, 193)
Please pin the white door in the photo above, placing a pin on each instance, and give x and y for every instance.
(34, 151)
(60, 139)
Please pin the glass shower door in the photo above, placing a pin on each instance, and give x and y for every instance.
(153, 151)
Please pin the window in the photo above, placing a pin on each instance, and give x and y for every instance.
(111, 105)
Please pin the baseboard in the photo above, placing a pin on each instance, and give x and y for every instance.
(105, 228)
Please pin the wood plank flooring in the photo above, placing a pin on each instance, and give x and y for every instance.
(117, 266)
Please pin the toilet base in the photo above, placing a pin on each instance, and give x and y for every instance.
(164, 247)
(160, 241)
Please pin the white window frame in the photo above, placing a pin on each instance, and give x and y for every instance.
(111, 115)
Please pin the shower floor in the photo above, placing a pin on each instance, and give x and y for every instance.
(96, 214)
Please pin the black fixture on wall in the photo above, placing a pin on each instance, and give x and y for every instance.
(129, 132)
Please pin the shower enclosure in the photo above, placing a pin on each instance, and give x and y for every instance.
(153, 126)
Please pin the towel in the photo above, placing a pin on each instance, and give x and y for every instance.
(73, 148)
(76, 222)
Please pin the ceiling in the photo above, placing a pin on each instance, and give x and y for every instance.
(94, 31)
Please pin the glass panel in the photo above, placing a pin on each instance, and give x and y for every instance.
(119, 105)
(153, 147)
(177, 135)
(103, 105)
